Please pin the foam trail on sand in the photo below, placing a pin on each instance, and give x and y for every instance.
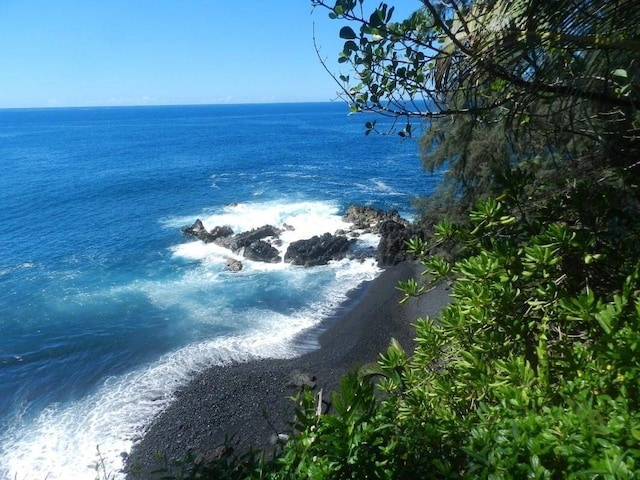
(61, 441)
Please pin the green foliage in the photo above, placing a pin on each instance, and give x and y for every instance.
(539, 373)
(529, 372)
(354, 442)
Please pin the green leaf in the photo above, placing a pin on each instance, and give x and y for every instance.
(350, 46)
(619, 72)
(347, 33)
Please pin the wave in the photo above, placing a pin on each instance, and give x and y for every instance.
(303, 218)
(266, 311)
(62, 440)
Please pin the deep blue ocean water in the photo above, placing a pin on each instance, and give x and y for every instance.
(105, 308)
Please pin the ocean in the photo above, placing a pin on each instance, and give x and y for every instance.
(106, 308)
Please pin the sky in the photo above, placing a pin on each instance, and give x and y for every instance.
(60, 53)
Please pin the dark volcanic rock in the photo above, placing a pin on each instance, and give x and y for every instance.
(220, 232)
(370, 219)
(318, 250)
(391, 249)
(262, 251)
(195, 230)
(245, 239)
(198, 231)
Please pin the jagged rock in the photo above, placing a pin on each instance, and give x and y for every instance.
(391, 249)
(287, 227)
(233, 265)
(197, 230)
(244, 239)
(261, 251)
(220, 232)
(370, 219)
(318, 250)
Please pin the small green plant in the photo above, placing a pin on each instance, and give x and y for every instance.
(100, 467)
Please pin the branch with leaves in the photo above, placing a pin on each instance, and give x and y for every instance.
(520, 58)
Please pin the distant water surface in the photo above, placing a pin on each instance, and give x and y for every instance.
(105, 308)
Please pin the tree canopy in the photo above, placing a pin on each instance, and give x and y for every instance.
(499, 83)
(524, 58)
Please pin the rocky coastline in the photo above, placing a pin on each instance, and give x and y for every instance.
(263, 244)
(250, 402)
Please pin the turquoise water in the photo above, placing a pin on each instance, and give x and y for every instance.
(105, 308)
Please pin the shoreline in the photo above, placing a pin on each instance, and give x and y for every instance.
(250, 401)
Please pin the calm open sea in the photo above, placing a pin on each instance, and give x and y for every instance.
(105, 308)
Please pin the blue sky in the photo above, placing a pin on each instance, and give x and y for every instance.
(160, 52)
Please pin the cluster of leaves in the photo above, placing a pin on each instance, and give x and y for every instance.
(531, 60)
(498, 83)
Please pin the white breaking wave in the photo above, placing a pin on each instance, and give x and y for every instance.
(303, 220)
(308, 218)
(61, 442)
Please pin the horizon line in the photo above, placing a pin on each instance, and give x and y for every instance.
(160, 105)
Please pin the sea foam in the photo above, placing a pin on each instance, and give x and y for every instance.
(61, 442)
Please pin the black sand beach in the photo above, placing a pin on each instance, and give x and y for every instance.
(249, 401)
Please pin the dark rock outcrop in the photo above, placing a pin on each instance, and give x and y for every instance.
(318, 250)
(197, 230)
(391, 249)
(220, 232)
(244, 239)
(261, 251)
(370, 219)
